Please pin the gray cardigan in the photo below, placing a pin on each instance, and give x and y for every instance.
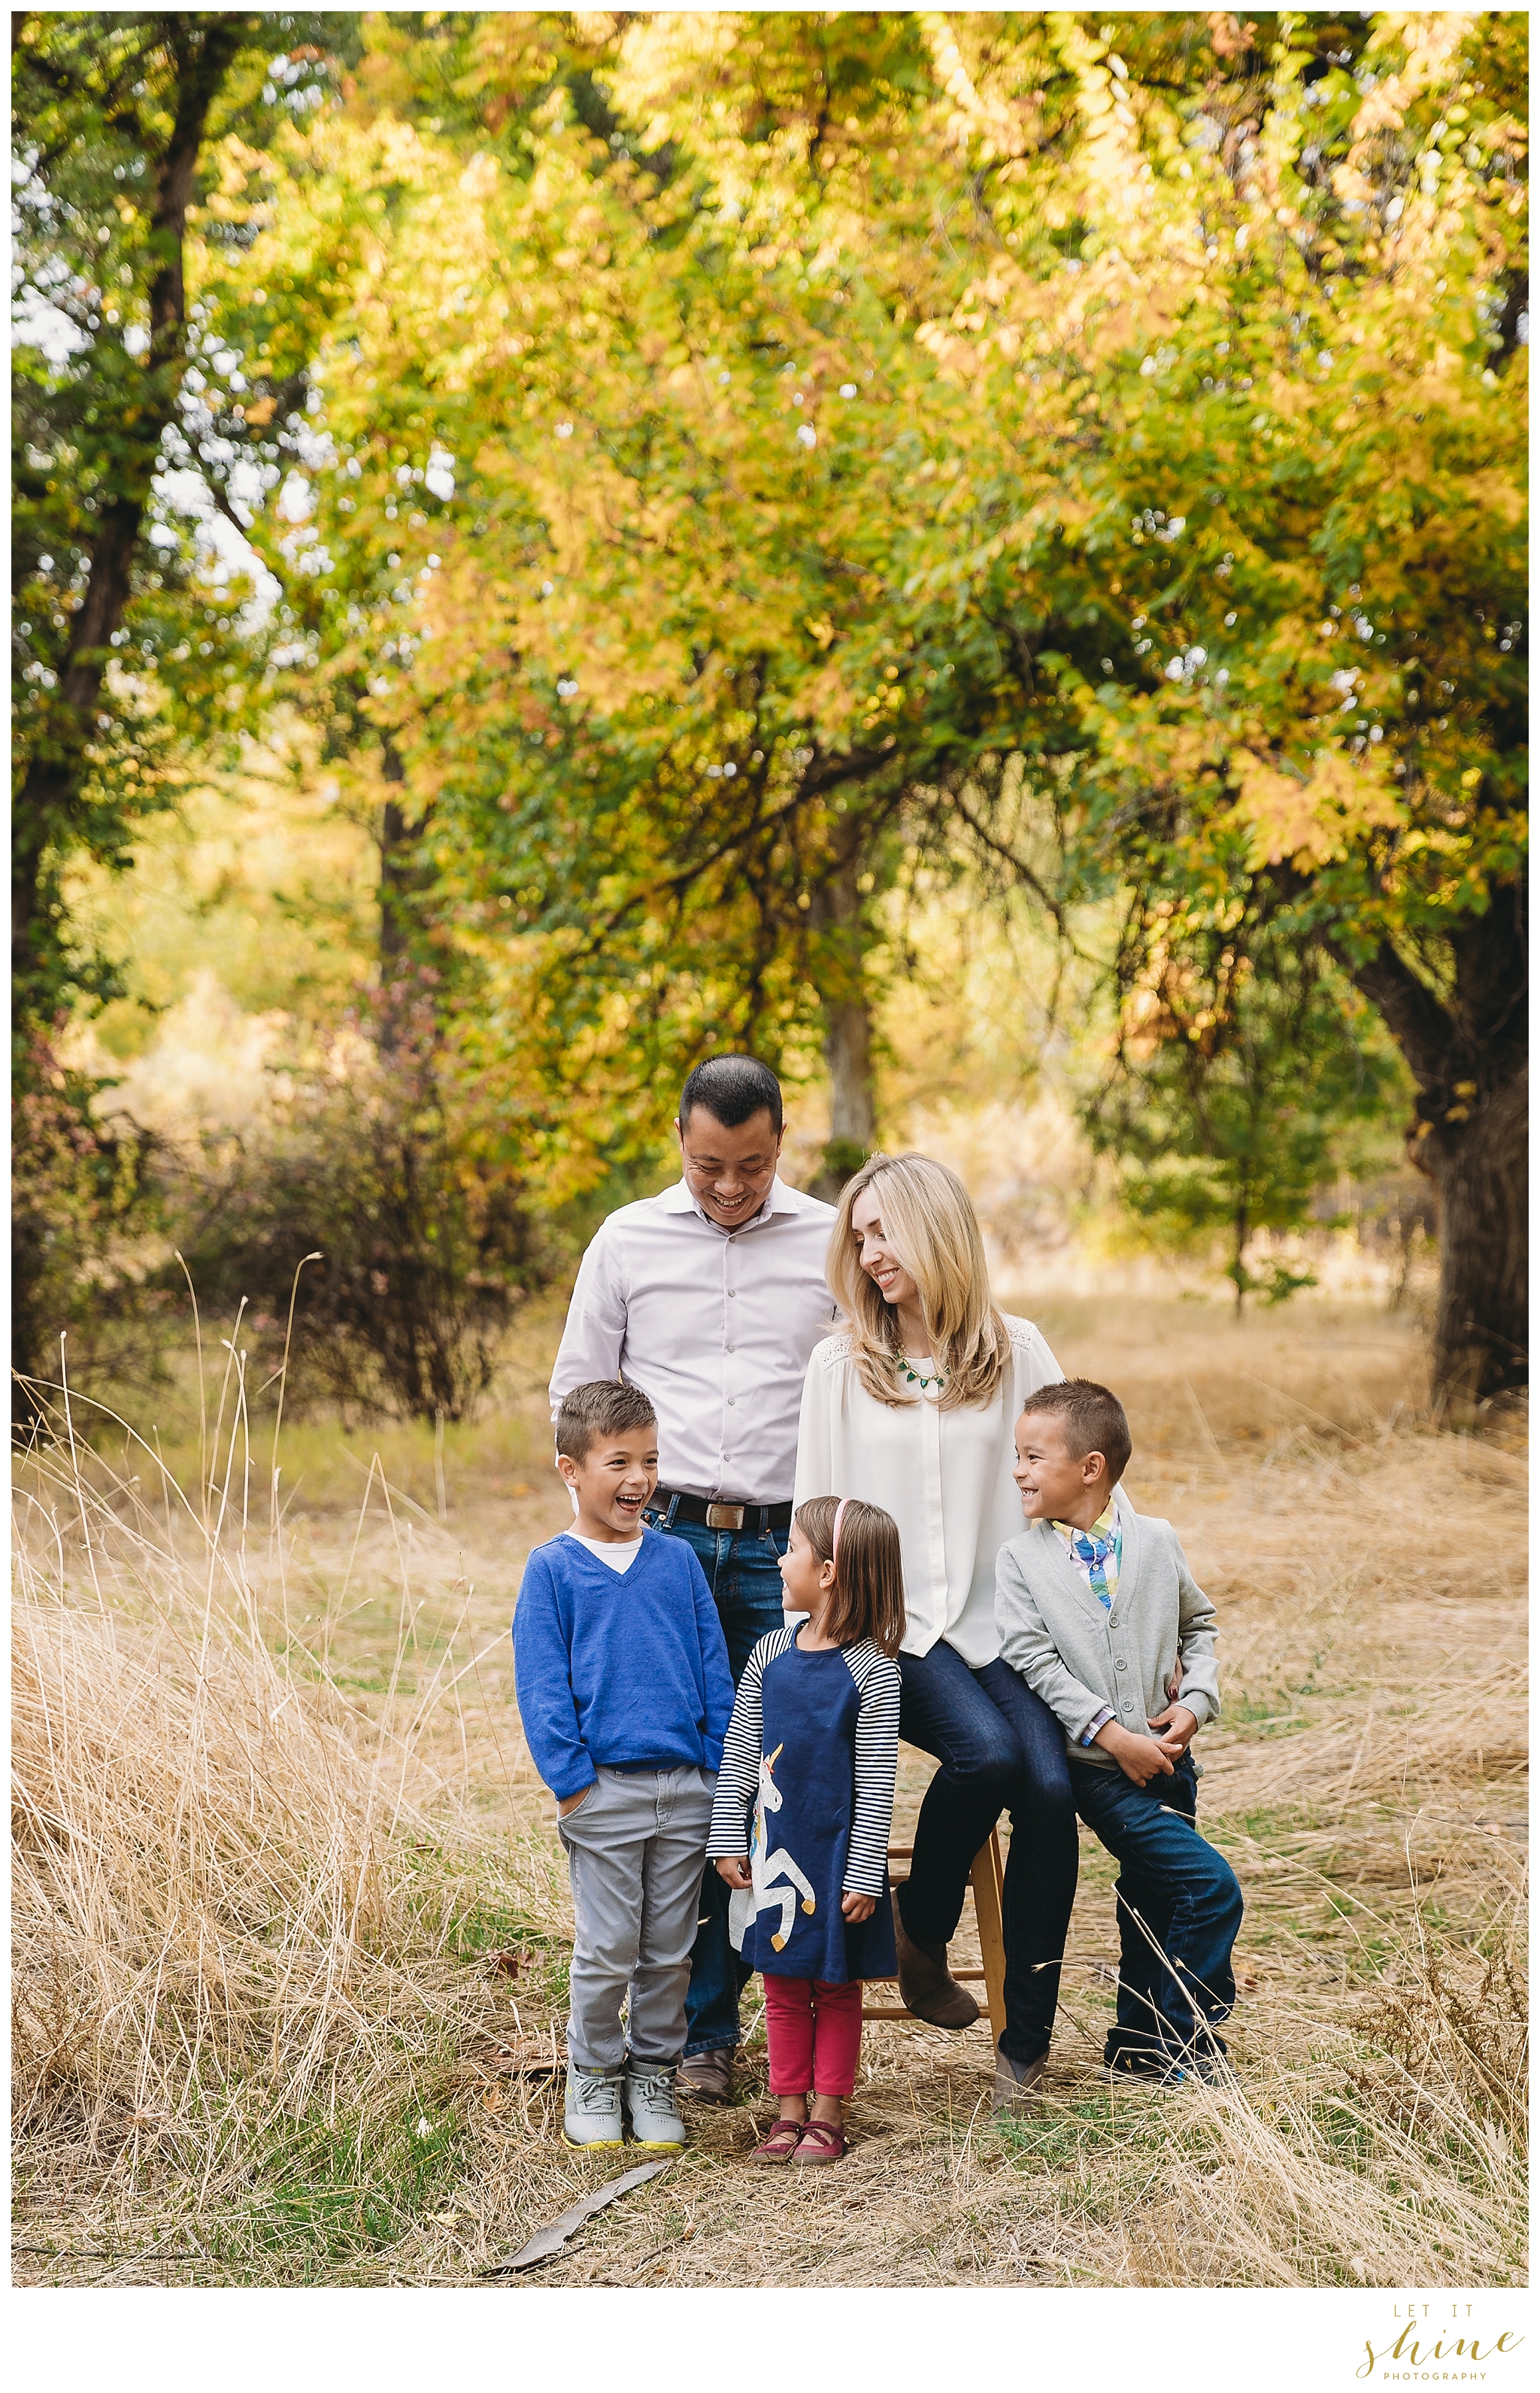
(1081, 1658)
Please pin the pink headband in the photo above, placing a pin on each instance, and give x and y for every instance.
(834, 1541)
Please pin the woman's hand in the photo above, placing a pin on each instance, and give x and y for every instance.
(857, 1907)
(735, 1870)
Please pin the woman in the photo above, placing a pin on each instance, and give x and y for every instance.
(913, 1406)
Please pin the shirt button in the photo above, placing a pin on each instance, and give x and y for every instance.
(1121, 1663)
(732, 1350)
(731, 1400)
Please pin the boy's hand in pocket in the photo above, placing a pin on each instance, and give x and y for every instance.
(735, 1871)
(570, 1802)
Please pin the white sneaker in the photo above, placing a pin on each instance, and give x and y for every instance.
(654, 2107)
(592, 2115)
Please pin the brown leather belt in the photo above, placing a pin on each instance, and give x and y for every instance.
(670, 1504)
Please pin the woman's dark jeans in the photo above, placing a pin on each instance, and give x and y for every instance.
(1179, 1909)
(1000, 1749)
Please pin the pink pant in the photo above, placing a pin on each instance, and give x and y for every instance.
(814, 2032)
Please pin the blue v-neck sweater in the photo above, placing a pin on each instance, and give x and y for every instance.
(620, 1671)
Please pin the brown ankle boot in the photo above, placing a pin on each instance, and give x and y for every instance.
(1017, 2084)
(926, 1983)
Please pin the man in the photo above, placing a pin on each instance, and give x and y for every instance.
(711, 1297)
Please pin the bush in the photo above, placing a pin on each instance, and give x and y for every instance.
(368, 1205)
(81, 1200)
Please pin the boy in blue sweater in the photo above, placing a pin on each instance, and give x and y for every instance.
(625, 1695)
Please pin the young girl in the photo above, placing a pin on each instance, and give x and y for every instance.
(812, 1753)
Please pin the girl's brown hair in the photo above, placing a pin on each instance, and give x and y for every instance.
(868, 1570)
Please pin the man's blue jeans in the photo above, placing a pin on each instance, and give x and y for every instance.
(1178, 1910)
(742, 1571)
(1000, 1748)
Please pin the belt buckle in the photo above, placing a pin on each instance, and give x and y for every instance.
(725, 1516)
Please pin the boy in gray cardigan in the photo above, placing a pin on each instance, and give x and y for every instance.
(1099, 1612)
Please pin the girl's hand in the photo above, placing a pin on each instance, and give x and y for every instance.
(855, 1907)
(735, 1871)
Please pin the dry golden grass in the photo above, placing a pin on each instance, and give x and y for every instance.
(276, 1817)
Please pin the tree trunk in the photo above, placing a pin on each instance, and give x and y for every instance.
(1241, 1228)
(50, 802)
(847, 1053)
(395, 881)
(1468, 1054)
(51, 808)
(1481, 1338)
(837, 916)
(404, 886)
(395, 874)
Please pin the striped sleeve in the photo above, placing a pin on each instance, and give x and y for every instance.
(876, 1675)
(738, 1780)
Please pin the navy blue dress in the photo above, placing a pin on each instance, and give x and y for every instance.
(808, 1806)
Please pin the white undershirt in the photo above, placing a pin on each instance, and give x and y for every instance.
(619, 1554)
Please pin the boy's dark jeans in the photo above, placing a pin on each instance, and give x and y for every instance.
(1000, 1749)
(742, 1571)
(1178, 1910)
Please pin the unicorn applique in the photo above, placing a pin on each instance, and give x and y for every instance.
(766, 1868)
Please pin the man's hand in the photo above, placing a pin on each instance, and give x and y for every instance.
(1179, 1727)
(857, 1907)
(1139, 1757)
(736, 1872)
(566, 1803)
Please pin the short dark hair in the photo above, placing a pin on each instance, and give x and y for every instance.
(733, 1089)
(600, 1408)
(1094, 1420)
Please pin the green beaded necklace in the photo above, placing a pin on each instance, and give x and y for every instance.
(917, 1378)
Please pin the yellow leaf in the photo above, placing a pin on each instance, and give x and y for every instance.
(479, 179)
(1308, 823)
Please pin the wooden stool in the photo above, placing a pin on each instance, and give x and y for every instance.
(988, 1878)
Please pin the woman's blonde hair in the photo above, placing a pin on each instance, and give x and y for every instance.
(868, 1570)
(932, 1229)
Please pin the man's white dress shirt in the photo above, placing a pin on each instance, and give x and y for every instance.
(944, 1476)
(716, 1325)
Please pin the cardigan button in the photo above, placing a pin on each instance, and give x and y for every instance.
(1121, 1663)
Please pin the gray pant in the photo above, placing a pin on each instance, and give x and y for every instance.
(636, 1848)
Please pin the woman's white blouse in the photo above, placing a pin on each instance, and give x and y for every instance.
(944, 1476)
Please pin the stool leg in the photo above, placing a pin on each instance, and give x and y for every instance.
(988, 1881)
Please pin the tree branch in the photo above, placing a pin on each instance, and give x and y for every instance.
(1421, 1027)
